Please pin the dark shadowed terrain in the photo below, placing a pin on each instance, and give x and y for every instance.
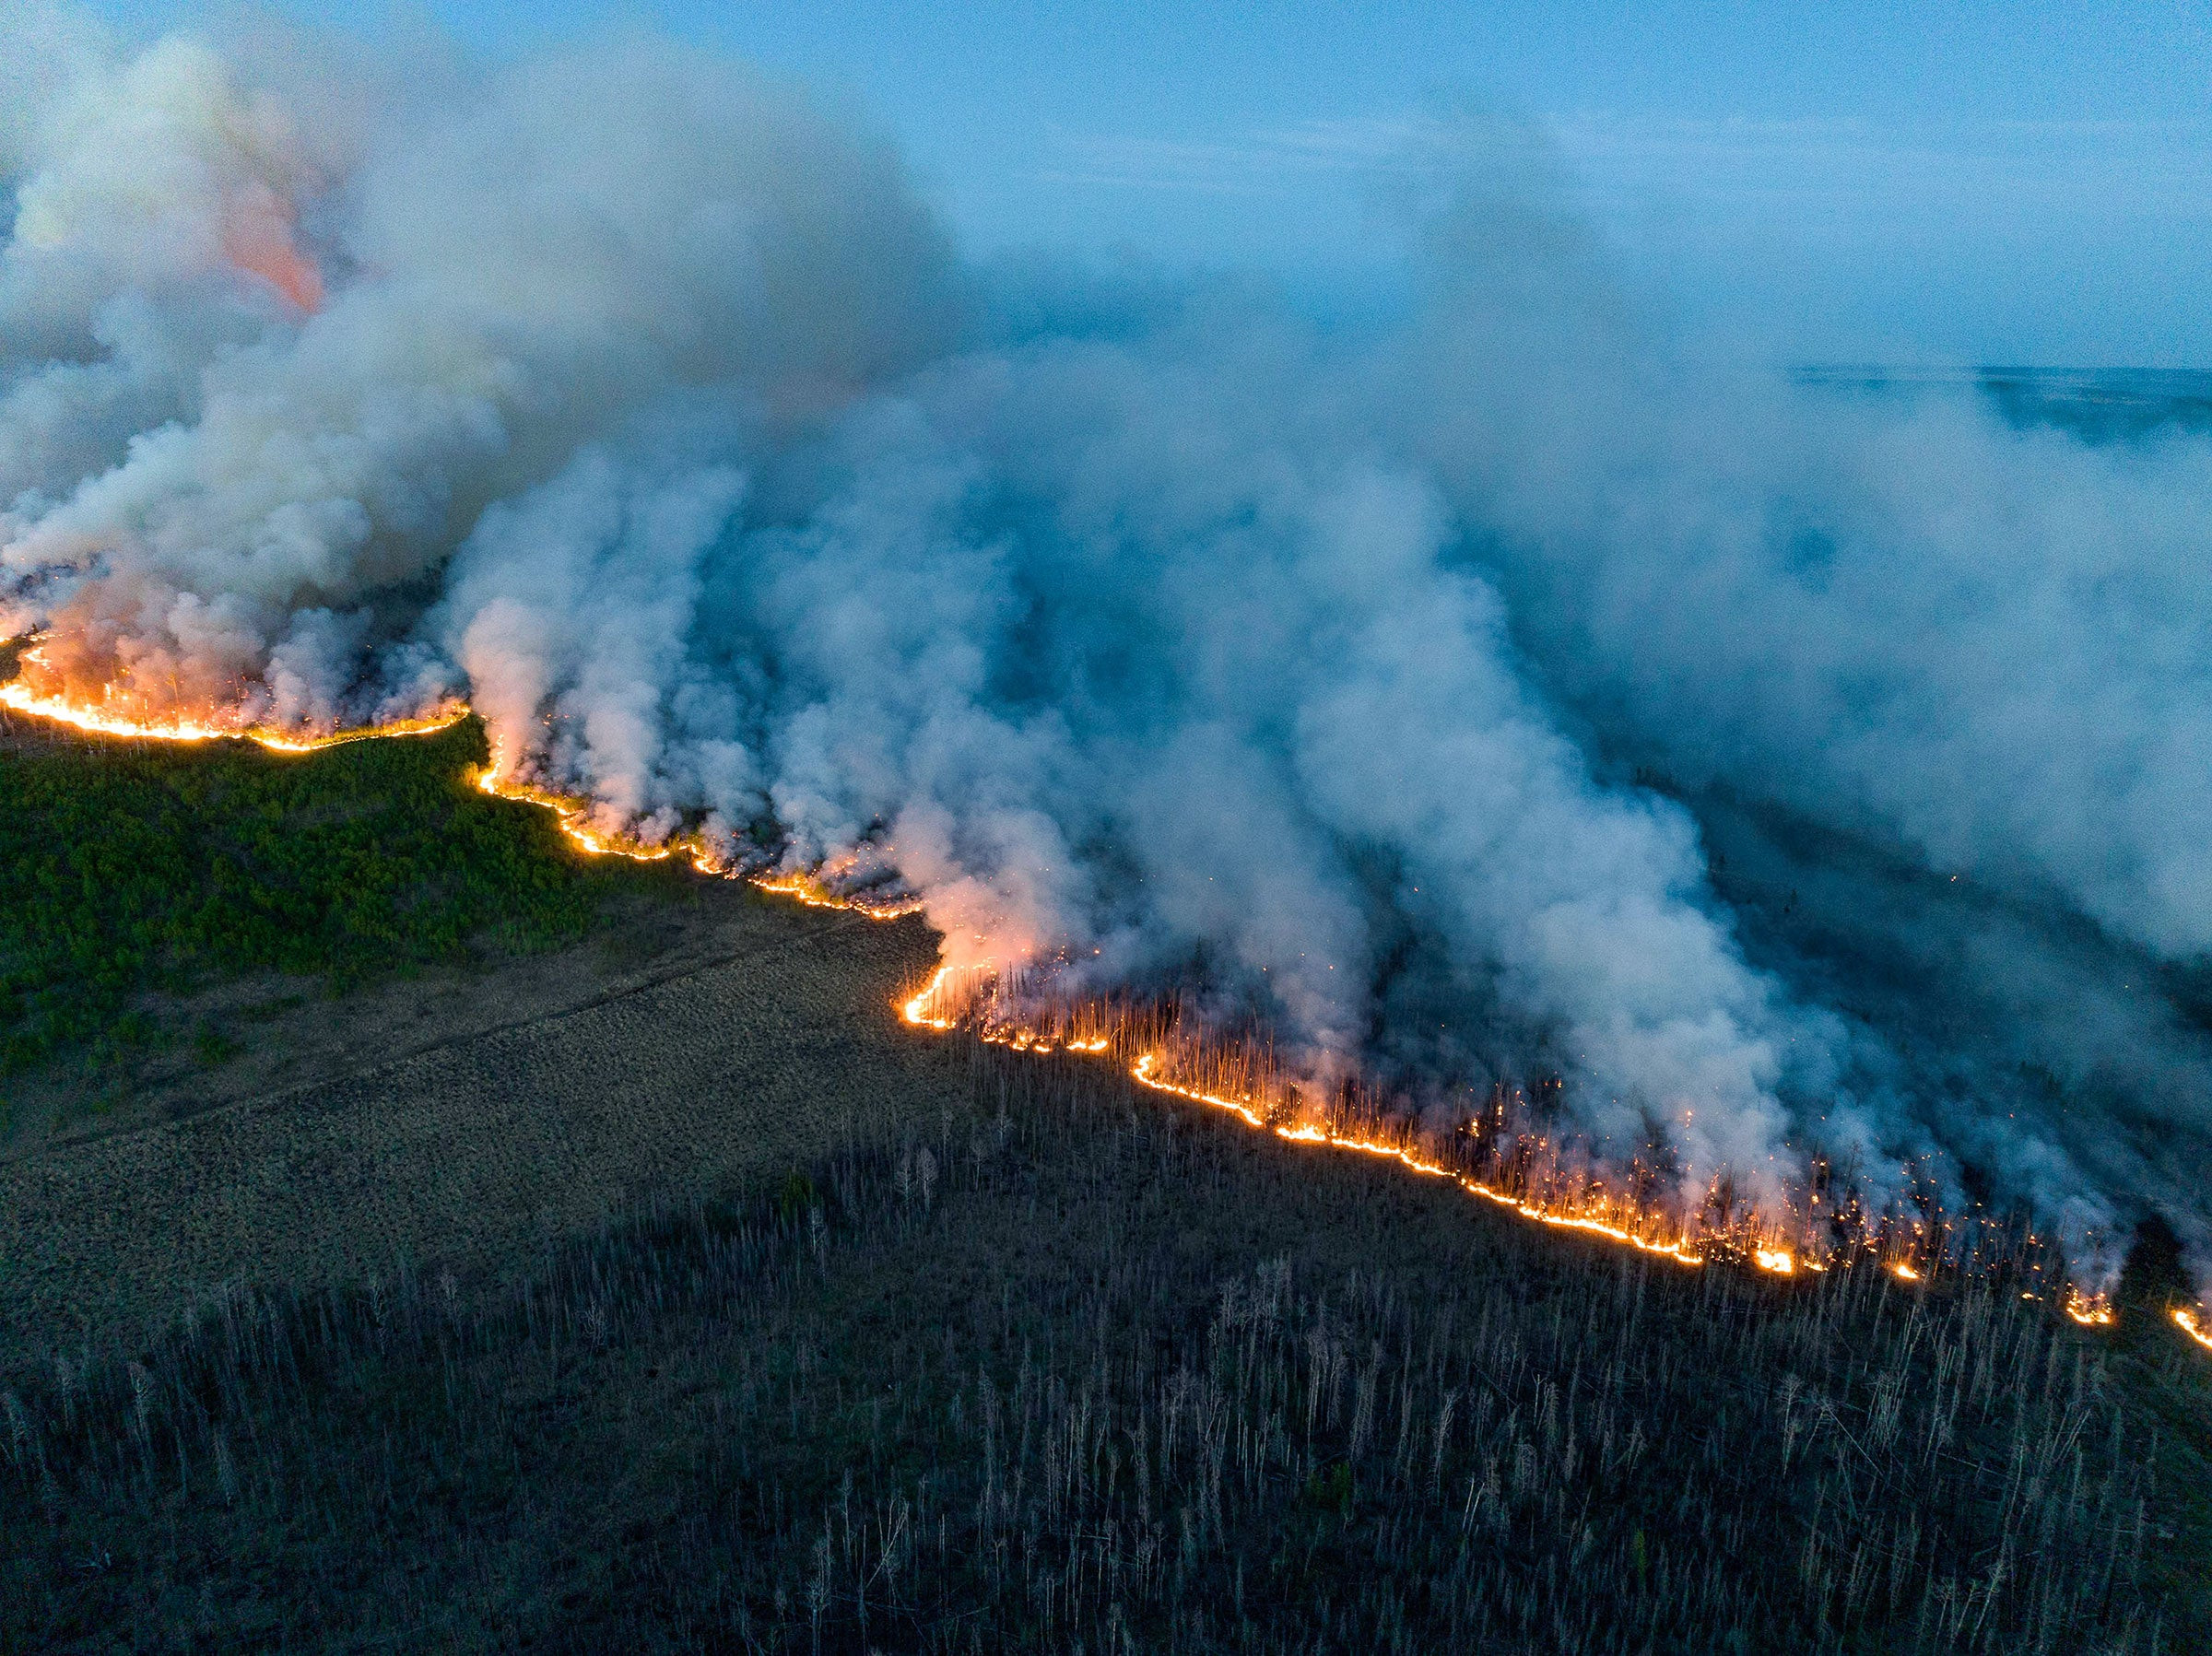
(1065, 1367)
(489, 1125)
(656, 1290)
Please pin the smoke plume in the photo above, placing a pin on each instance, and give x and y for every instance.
(1798, 776)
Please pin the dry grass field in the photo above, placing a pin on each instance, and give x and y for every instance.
(467, 1114)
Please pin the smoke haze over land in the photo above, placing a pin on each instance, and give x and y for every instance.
(1796, 771)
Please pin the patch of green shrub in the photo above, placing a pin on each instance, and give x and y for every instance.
(126, 870)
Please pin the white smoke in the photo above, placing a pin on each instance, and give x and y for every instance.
(317, 418)
(629, 396)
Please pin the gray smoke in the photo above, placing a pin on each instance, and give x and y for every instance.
(1394, 694)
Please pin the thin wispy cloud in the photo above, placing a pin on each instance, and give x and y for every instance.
(2091, 169)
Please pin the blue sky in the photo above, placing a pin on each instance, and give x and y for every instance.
(1967, 182)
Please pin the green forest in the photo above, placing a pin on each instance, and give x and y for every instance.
(134, 872)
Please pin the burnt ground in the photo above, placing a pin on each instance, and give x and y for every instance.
(471, 1115)
(1068, 1369)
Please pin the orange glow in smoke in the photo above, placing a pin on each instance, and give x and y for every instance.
(258, 240)
(285, 269)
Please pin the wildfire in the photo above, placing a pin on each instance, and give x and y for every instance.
(20, 698)
(935, 1006)
(809, 889)
(949, 998)
(922, 1011)
(573, 817)
(1679, 1251)
(2091, 1310)
(1145, 1072)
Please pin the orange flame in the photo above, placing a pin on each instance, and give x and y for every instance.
(921, 1010)
(937, 1006)
(810, 890)
(57, 709)
(1145, 1072)
(573, 816)
(928, 1009)
(2091, 1310)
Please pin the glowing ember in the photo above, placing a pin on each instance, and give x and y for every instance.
(1905, 1272)
(2091, 1310)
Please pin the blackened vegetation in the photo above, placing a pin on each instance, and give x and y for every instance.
(1084, 1369)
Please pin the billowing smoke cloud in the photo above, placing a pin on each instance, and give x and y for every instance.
(258, 370)
(1391, 693)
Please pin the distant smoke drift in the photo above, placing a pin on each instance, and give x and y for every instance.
(1387, 696)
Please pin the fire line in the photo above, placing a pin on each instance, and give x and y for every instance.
(927, 1009)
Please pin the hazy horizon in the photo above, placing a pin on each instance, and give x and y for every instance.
(1990, 184)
